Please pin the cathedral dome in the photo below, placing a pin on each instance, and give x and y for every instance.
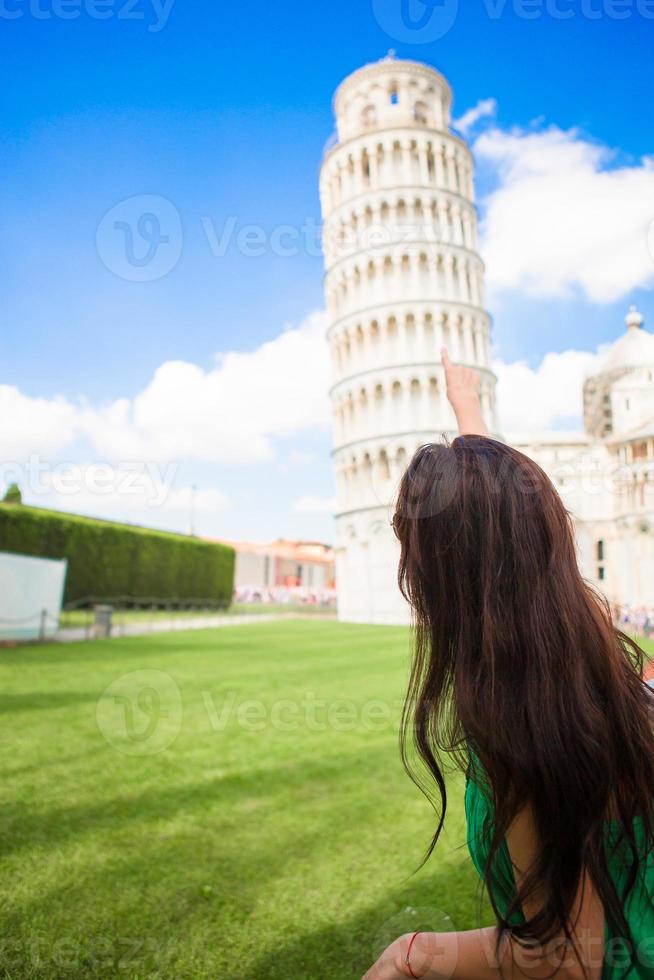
(633, 349)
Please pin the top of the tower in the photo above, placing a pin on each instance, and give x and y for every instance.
(390, 93)
(633, 349)
(633, 318)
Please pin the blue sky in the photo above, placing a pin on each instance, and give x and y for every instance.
(223, 110)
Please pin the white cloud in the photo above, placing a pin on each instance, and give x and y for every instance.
(298, 458)
(315, 505)
(228, 414)
(560, 220)
(470, 118)
(546, 397)
(33, 425)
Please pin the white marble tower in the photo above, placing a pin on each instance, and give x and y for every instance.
(403, 277)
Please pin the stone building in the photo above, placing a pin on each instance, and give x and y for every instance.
(605, 474)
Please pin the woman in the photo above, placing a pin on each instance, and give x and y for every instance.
(520, 676)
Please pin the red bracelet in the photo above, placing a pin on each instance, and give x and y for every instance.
(407, 959)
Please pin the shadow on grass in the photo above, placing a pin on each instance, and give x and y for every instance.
(301, 783)
(181, 911)
(10, 771)
(162, 876)
(44, 701)
(345, 950)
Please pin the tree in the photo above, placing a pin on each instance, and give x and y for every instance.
(13, 494)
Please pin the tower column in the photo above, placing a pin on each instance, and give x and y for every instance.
(422, 163)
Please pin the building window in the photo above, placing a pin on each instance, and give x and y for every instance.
(394, 96)
(626, 404)
(600, 573)
(420, 112)
(266, 570)
(600, 550)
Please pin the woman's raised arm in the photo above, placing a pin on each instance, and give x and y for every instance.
(462, 386)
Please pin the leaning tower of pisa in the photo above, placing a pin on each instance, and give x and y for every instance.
(403, 277)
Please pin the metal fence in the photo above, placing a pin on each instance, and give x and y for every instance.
(99, 617)
(96, 617)
(38, 626)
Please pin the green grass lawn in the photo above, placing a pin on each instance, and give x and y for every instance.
(646, 645)
(190, 833)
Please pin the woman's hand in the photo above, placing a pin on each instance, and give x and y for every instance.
(462, 386)
(432, 955)
(391, 965)
(462, 383)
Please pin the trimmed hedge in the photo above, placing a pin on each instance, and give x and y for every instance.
(107, 559)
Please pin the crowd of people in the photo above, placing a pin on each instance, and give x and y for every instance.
(283, 595)
(637, 620)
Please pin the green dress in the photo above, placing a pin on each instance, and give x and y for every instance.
(639, 907)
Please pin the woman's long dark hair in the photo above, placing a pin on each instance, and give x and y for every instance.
(519, 668)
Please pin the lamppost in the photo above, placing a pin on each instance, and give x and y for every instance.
(193, 494)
